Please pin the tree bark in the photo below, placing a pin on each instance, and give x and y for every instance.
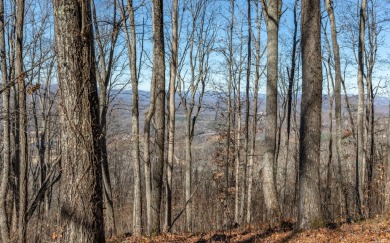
(159, 76)
(23, 151)
(81, 200)
(4, 228)
(309, 205)
(229, 108)
(171, 119)
(269, 187)
(132, 49)
(291, 78)
(360, 154)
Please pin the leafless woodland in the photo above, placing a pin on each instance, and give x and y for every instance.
(136, 117)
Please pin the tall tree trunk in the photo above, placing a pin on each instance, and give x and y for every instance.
(171, 124)
(132, 49)
(360, 154)
(103, 80)
(309, 205)
(247, 101)
(291, 78)
(159, 76)
(146, 144)
(372, 163)
(229, 107)
(81, 199)
(4, 226)
(254, 119)
(23, 155)
(269, 187)
(348, 193)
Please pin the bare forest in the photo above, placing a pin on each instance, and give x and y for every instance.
(134, 118)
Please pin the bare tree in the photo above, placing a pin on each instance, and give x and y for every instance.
(200, 44)
(309, 205)
(159, 80)
(171, 109)
(291, 81)
(348, 194)
(229, 106)
(247, 103)
(105, 62)
(81, 201)
(4, 228)
(23, 150)
(360, 155)
(258, 74)
(272, 16)
(132, 47)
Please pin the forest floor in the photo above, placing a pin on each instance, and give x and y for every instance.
(373, 230)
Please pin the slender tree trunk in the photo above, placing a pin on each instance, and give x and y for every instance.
(360, 155)
(269, 187)
(228, 120)
(237, 209)
(328, 193)
(23, 155)
(247, 104)
(372, 163)
(254, 120)
(103, 79)
(171, 125)
(132, 45)
(348, 193)
(146, 144)
(4, 226)
(291, 78)
(309, 205)
(81, 198)
(188, 174)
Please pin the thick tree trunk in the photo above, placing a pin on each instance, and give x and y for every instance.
(269, 187)
(81, 200)
(309, 205)
(159, 76)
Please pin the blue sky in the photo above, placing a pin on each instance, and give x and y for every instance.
(345, 11)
